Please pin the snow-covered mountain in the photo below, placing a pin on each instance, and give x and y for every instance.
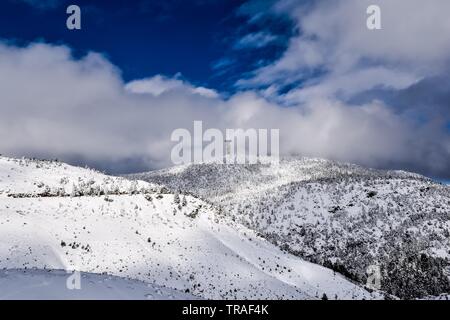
(342, 216)
(57, 217)
(33, 178)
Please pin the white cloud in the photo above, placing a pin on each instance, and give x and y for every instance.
(351, 83)
(414, 41)
(222, 63)
(255, 40)
(158, 85)
(334, 57)
(52, 105)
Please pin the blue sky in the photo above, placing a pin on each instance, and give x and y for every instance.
(110, 95)
(197, 39)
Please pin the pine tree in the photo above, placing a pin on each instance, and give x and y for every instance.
(176, 198)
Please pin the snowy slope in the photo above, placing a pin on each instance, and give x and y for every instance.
(21, 177)
(147, 234)
(52, 285)
(339, 215)
(222, 181)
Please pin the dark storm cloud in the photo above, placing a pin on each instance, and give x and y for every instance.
(429, 98)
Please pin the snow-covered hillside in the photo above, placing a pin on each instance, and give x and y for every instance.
(25, 178)
(339, 215)
(140, 231)
(52, 285)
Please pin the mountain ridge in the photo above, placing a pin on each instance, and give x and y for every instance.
(142, 231)
(342, 216)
